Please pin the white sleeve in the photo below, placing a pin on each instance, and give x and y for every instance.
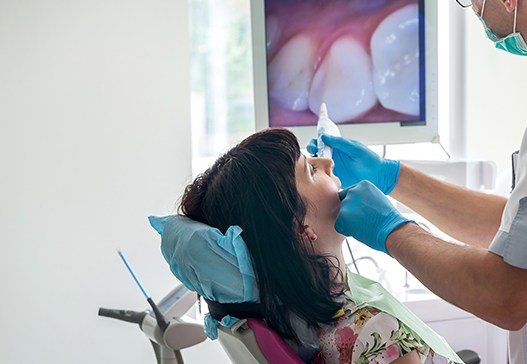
(511, 240)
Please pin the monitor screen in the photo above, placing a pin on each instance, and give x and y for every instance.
(363, 58)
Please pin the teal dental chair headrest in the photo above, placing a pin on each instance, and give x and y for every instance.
(217, 266)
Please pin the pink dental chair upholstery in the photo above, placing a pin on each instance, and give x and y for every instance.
(251, 341)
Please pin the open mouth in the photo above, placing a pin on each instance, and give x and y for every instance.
(360, 57)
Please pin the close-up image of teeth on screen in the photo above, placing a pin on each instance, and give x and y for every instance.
(364, 58)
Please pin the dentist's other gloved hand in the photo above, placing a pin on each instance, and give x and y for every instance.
(367, 215)
(355, 162)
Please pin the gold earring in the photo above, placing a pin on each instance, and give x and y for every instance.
(310, 233)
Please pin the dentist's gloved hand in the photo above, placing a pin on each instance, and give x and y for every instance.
(367, 215)
(355, 162)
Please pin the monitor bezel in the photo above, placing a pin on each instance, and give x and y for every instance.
(370, 134)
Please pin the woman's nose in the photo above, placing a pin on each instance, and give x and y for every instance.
(331, 164)
(325, 163)
(328, 164)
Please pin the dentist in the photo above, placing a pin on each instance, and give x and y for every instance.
(488, 276)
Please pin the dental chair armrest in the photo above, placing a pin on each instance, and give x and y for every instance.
(469, 357)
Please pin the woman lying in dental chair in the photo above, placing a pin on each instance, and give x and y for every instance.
(286, 206)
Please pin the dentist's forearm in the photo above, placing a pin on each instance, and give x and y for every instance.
(468, 216)
(469, 277)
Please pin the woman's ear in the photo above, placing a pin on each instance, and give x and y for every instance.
(310, 233)
(306, 230)
(510, 5)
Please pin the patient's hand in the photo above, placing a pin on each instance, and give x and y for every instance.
(410, 358)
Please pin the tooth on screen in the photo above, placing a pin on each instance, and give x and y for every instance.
(291, 72)
(272, 30)
(395, 55)
(344, 81)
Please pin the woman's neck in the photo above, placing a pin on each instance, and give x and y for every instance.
(341, 264)
(333, 249)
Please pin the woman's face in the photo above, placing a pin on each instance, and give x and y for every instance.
(318, 187)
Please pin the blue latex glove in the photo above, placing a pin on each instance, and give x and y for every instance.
(355, 162)
(367, 215)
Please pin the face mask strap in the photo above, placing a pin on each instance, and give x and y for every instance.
(515, 17)
(483, 8)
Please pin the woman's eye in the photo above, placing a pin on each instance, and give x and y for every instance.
(313, 169)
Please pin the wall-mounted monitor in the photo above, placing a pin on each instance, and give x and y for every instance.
(373, 62)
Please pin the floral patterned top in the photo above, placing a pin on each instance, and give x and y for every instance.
(368, 336)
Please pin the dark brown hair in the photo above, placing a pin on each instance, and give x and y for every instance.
(253, 186)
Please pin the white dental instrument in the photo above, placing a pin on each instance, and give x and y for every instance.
(325, 126)
(161, 320)
(166, 325)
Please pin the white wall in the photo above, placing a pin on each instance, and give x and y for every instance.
(496, 98)
(94, 136)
